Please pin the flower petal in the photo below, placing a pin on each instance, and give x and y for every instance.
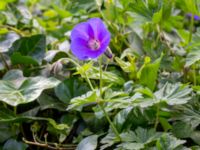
(80, 31)
(79, 48)
(96, 27)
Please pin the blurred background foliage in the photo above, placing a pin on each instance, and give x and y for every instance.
(151, 86)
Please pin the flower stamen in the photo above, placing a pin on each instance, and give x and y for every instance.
(93, 44)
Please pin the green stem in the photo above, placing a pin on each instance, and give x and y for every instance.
(89, 82)
(102, 107)
(5, 105)
(4, 61)
(194, 75)
(110, 122)
(157, 116)
(15, 110)
(191, 27)
(100, 75)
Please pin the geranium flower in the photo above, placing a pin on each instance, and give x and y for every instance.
(89, 39)
(196, 17)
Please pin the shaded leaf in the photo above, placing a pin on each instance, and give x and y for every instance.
(168, 142)
(89, 143)
(33, 46)
(69, 89)
(13, 144)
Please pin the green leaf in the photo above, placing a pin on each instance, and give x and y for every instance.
(192, 57)
(148, 73)
(17, 58)
(14, 93)
(165, 124)
(7, 40)
(194, 53)
(89, 143)
(195, 136)
(7, 116)
(168, 142)
(108, 77)
(33, 46)
(69, 89)
(62, 12)
(157, 17)
(174, 94)
(54, 55)
(78, 102)
(131, 146)
(121, 118)
(48, 102)
(145, 136)
(13, 144)
(7, 131)
(182, 129)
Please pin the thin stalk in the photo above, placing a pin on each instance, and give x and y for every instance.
(100, 75)
(191, 27)
(89, 82)
(15, 110)
(194, 75)
(110, 122)
(4, 61)
(102, 107)
(5, 105)
(157, 116)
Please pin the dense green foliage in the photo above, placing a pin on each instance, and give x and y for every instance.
(150, 89)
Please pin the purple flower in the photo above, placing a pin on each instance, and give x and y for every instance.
(196, 17)
(89, 39)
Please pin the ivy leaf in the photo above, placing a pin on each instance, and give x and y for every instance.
(89, 143)
(7, 131)
(14, 93)
(69, 89)
(33, 46)
(13, 144)
(7, 116)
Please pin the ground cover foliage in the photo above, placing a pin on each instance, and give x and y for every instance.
(150, 88)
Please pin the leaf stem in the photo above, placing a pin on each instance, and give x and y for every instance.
(194, 74)
(15, 110)
(191, 27)
(102, 107)
(100, 75)
(89, 82)
(157, 116)
(110, 122)
(4, 61)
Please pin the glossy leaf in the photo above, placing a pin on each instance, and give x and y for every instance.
(28, 91)
(89, 143)
(33, 46)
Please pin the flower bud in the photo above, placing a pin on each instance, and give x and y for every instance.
(56, 67)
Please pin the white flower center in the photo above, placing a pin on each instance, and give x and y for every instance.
(93, 44)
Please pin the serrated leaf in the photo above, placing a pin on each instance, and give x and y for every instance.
(77, 102)
(174, 94)
(168, 142)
